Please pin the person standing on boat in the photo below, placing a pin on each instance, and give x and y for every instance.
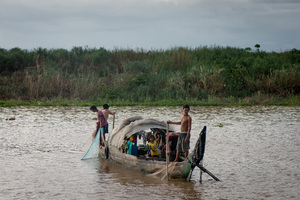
(106, 113)
(183, 143)
(101, 121)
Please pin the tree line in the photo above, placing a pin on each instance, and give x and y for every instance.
(126, 75)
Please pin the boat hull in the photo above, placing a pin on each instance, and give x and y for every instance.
(149, 166)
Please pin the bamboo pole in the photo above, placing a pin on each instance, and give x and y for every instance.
(113, 121)
(174, 165)
(167, 150)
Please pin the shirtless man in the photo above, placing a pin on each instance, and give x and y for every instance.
(106, 112)
(183, 143)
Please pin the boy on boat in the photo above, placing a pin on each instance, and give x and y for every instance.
(183, 143)
(106, 112)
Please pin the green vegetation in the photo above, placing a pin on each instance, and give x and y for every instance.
(200, 76)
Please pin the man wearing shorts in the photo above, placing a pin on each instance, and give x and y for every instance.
(183, 143)
(101, 122)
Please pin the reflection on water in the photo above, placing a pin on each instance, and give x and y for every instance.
(255, 154)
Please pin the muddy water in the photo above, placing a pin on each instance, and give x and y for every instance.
(253, 150)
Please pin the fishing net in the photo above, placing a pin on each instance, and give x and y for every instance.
(93, 151)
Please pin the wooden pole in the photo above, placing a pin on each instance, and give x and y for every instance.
(113, 121)
(167, 150)
(208, 172)
(201, 172)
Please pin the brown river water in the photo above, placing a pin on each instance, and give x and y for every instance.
(255, 152)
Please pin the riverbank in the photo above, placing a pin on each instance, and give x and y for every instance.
(217, 75)
(198, 76)
(262, 100)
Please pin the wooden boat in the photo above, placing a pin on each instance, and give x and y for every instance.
(138, 161)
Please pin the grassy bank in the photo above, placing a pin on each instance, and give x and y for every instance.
(212, 101)
(200, 76)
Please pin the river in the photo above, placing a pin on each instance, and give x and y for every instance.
(253, 150)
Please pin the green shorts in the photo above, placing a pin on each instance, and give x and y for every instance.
(181, 145)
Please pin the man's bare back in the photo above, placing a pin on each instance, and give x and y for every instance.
(106, 113)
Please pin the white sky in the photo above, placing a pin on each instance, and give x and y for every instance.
(150, 24)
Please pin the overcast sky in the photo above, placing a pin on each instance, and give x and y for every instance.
(150, 24)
